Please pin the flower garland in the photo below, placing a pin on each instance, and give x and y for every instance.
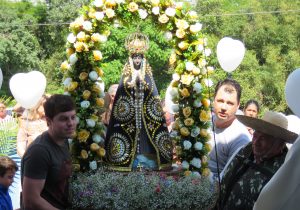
(190, 84)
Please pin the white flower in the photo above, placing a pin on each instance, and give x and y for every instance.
(210, 68)
(196, 28)
(199, 47)
(178, 5)
(208, 82)
(120, 1)
(170, 12)
(90, 123)
(93, 165)
(202, 63)
(189, 66)
(73, 59)
(99, 15)
(168, 35)
(196, 174)
(93, 75)
(195, 132)
(97, 138)
(71, 38)
(198, 146)
(187, 145)
(207, 52)
(197, 103)
(175, 107)
(142, 13)
(196, 162)
(102, 38)
(67, 81)
(174, 92)
(173, 134)
(176, 77)
(87, 25)
(98, 3)
(155, 10)
(100, 84)
(185, 165)
(85, 104)
(197, 87)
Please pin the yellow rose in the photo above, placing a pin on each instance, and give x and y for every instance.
(204, 116)
(175, 125)
(205, 102)
(187, 111)
(193, 15)
(85, 47)
(185, 93)
(155, 3)
(96, 37)
(196, 71)
(81, 36)
(76, 167)
(178, 150)
(204, 159)
(100, 102)
(172, 59)
(179, 5)
(163, 18)
(69, 51)
(83, 135)
(86, 94)
(84, 154)
(110, 13)
(206, 172)
(187, 173)
(73, 86)
(180, 33)
(96, 89)
(99, 71)
(184, 131)
(181, 24)
(203, 132)
(79, 46)
(65, 66)
(183, 45)
(110, 3)
(97, 55)
(188, 122)
(83, 76)
(132, 7)
(94, 147)
(101, 152)
(202, 62)
(187, 79)
(207, 147)
(92, 14)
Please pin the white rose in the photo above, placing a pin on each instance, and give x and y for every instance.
(197, 87)
(207, 52)
(170, 12)
(198, 146)
(197, 103)
(142, 13)
(120, 1)
(199, 47)
(208, 82)
(187, 145)
(93, 75)
(93, 165)
(176, 77)
(195, 131)
(155, 10)
(71, 38)
(196, 28)
(196, 162)
(73, 59)
(99, 15)
(189, 66)
(87, 25)
(185, 165)
(175, 108)
(168, 35)
(196, 174)
(90, 123)
(97, 138)
(174, 92)
(102, 38)
(67, 81)
(98, 3)
(85, 104)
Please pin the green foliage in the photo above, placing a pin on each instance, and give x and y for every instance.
(8, 136)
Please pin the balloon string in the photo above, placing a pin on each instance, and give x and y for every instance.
(26, 129)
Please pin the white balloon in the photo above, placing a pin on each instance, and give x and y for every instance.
(230, 53)
(1, 78)
(292, 87)
(28, 88)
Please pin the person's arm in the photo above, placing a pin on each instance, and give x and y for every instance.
(31, 195)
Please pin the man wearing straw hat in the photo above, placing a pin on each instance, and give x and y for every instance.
(254, 165)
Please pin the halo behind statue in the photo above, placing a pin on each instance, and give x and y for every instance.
(137, 43)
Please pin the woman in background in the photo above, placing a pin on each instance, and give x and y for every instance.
(251, 109)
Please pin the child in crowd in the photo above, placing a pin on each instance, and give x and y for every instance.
(8, 169)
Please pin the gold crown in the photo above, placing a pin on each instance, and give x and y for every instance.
(137, 43)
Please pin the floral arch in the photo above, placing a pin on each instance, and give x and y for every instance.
(189, 89)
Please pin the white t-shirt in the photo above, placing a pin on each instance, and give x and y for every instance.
(228, 141)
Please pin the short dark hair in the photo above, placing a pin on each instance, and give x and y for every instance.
(7, 164)
(58, 103)
(252, 101)
(230, 82)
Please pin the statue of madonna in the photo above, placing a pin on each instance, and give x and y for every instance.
(137, 136)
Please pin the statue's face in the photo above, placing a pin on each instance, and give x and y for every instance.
(137, 60)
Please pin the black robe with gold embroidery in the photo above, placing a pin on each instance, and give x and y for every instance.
(123, 139)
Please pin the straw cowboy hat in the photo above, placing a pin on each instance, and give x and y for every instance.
(272, 123)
